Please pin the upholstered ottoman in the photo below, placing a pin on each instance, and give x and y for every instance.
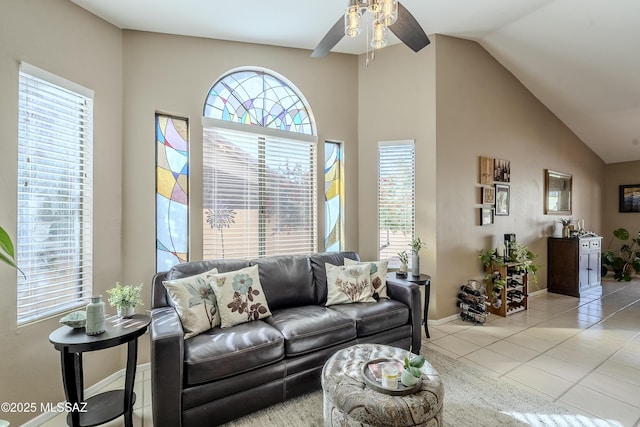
(348, 401)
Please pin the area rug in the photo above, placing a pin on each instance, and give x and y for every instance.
(472, 398)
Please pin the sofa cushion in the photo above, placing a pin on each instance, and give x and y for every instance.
(318, 262)
(195, 302)
(192, 268)
(220, 353)
(378, 276)
(310, 328)
(374, 318)
(287, 281)
(348, 283)
(240, 296)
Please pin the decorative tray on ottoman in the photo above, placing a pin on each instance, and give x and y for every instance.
(372, 374)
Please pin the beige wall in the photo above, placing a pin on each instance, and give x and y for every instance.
(63, 39)
(483, 110)
(626, 173)
(458, 103)
(397, 101)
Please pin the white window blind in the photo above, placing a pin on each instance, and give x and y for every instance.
(55, 161)
(396, 198)
(259, 195)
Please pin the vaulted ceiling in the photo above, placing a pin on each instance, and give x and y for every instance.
(581, 58)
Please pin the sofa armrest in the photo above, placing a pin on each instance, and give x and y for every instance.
(167, 359)
(409, 294)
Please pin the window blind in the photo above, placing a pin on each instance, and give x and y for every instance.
(55, 161)
(396, 198)
(259, 195)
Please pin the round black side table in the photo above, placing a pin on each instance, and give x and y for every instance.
(421, 280)
(71, 343)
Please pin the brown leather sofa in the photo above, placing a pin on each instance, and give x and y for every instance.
(226, 373)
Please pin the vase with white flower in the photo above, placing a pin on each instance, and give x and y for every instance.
(125, 299)
(566, 226)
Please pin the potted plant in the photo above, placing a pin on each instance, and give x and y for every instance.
(520, 254)
(416, 244)
(125, 298)
(622, 261)
(490, 257)
(404, 262)
(524, 257)
(411, 373)
(566, 223)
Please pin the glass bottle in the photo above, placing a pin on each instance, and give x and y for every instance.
(95, 316)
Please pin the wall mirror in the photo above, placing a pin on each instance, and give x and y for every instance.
(557, 193)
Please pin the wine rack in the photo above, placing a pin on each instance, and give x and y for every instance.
(512, 297)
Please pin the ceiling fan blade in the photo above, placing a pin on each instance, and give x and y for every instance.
(335, 34)
(409, 30)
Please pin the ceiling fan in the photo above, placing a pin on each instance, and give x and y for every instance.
(386, 14)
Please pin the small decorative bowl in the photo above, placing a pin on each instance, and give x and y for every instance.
(77, 319)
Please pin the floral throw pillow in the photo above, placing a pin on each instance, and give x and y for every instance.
(240, 296)
(378, 276)
(348, 283)
(195, 302)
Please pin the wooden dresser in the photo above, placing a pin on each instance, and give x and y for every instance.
(573, 264)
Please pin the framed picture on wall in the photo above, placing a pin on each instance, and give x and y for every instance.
(502, 199)
(488, 196)
(501, 170)
(486, 216)
(630, 198)
(486, 170)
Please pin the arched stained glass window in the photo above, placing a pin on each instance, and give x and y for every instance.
(256, 97)
(259, 168)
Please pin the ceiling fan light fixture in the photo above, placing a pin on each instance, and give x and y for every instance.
(378, 35)
(388, 13)
(362, 13)
(352, 18)
(373, 6)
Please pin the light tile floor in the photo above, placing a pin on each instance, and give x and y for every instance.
(582, 353)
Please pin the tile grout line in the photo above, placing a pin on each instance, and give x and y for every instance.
(580, 304)
(609, 357)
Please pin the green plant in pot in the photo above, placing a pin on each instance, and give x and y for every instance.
(520, 254)
(125, 298)
(404, 261)
(416, 244)
(625, 259)
(524, 257)
(490, 257)
(411, 373)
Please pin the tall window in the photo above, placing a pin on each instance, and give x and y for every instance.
(172, 191)
(259, 168)
(55, 189)
(396, 198)
(333, 197)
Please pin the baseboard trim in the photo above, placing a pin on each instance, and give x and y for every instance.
(443, 320)
(437, 322)
(536, 293)
(90, 391)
